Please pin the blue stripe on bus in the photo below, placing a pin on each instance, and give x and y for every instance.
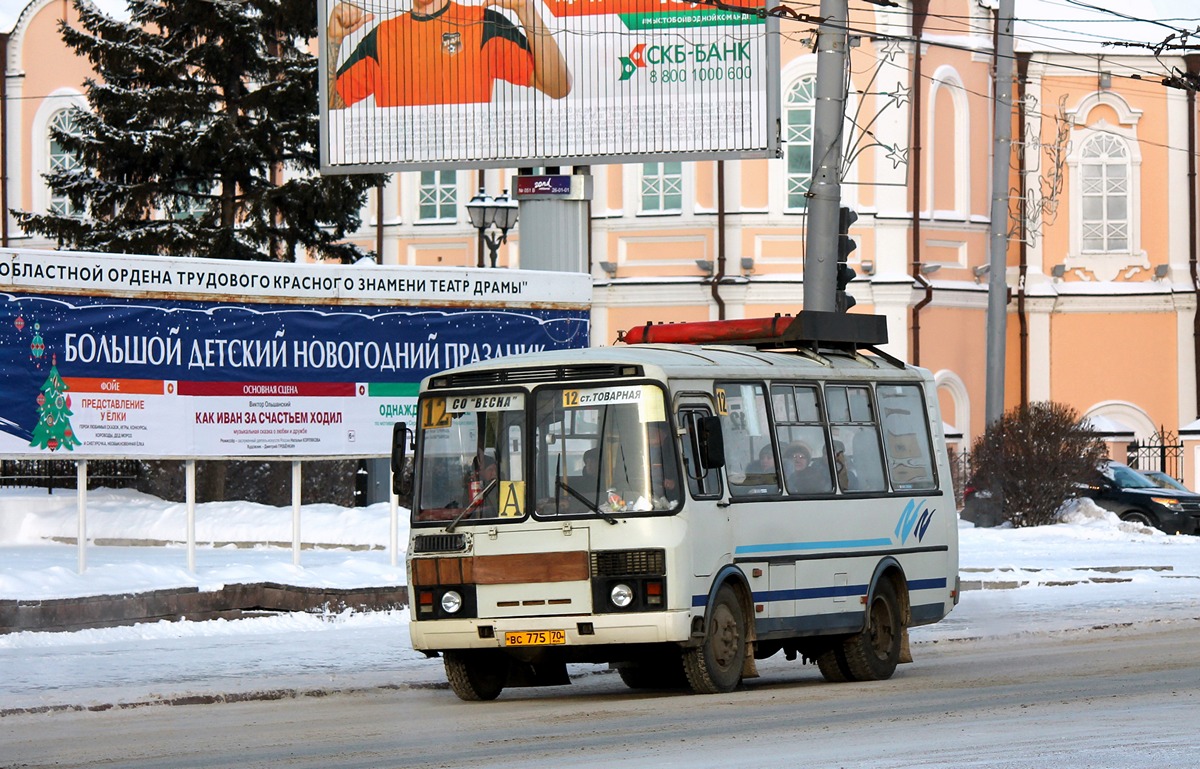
(833, 591)
(838, 544)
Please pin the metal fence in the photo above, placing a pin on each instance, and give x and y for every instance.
(53, 474)
(1162, 451)
(960, 471)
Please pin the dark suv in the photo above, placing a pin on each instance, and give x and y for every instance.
(1135, 498)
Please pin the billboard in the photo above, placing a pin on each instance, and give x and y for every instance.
(98, 358)
(415, 84)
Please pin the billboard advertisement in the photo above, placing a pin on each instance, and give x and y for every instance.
(414, 84)
(110, 371)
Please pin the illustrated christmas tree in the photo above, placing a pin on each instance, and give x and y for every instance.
(53, 429)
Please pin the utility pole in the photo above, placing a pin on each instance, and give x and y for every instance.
(825, 194)
(997, 309)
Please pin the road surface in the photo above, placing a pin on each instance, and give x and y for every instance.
(1109, 698)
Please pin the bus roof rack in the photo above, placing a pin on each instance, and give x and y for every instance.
(808, 328)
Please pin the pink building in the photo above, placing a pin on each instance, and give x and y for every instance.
(1102, 264)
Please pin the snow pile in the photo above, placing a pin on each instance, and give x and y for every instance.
(1085, 512)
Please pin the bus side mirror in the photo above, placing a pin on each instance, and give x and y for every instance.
(711, 440)
(399, 449)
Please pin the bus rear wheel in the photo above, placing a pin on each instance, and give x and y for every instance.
(832, 664)
(715, 667)
(476, 676)
(872, 655)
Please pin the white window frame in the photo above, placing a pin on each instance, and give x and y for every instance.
(446, 192)
(790, 179)
(58, 101)
(1105, 265)
(1108, 157)
(656, 183)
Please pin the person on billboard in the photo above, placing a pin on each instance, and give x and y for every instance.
(442, 52)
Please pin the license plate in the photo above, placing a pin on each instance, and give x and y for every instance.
(535, 638)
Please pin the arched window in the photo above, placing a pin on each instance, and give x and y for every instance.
(1104, 172)
(798, 105)
(61, 159)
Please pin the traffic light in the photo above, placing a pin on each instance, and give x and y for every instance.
(845, 245)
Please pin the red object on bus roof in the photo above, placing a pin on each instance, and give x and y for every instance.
(709, 332)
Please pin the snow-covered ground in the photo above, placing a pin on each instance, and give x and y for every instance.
(1092, 570)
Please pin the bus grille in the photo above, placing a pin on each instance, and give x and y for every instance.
(534, 375)
(622, 563)
(439, 543)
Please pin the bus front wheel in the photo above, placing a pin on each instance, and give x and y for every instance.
(715, 667)
(476, 676)
(872, 655)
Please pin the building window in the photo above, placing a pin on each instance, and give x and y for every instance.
(61, 160)
(438, 197)
(798, 105)
(1104, 172)
(192, 204)
(662, 188)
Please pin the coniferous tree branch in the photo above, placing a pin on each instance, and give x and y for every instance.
(200, 137)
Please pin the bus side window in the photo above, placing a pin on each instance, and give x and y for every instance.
(750, 462)
(708, 484)
(801, 434)
(906, 437)
(855, 437)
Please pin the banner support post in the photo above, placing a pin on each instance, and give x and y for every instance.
(295, 512)
(81, 475)
(189, 485)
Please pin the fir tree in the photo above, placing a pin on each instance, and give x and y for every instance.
(53, 430)
(202, 136)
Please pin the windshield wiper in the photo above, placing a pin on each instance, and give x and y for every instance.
(589, 504)
(474, 504)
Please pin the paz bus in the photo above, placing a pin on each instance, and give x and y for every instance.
(680, 506)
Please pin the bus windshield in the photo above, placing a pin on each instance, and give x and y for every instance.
(471, 457)
(604, 450)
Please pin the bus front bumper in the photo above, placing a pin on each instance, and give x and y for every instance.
(573, 630)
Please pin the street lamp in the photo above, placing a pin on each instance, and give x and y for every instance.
(493, 217)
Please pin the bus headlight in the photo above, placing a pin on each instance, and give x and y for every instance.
(451, 601)
(621, 595)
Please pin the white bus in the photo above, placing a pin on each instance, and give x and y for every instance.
(678, 511)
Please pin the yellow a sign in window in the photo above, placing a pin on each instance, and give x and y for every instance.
(512, 499)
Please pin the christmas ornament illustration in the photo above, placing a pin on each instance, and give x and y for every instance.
(37, 348)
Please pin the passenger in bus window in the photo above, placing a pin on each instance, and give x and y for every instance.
(762, 470)
(847, 478)
(804, 476)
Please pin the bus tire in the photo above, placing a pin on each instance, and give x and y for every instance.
(715, 667)
(475, 676)
(872, 655)
(832, 664)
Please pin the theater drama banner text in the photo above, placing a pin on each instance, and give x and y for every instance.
(161, 357)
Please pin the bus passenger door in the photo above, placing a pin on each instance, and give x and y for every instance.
(707, 519)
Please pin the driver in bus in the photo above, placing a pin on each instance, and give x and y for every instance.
(485, 475)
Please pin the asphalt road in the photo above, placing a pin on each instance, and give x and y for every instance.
(1112, 698)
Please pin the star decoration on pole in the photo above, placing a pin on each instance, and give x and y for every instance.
(891, 49)
(900, 95)
(898, 155)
